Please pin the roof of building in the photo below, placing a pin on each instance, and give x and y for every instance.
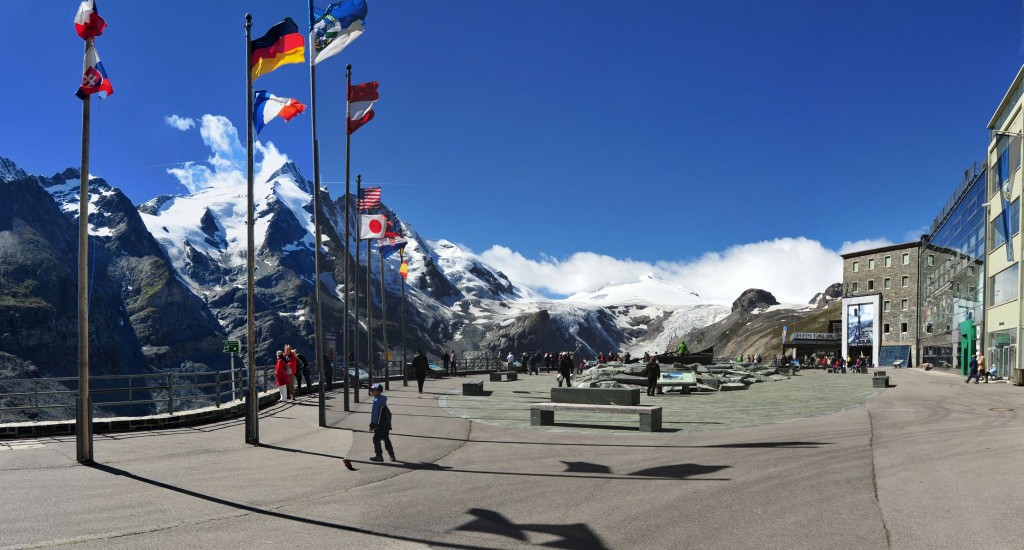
(911, 244)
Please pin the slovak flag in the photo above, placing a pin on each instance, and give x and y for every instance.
(266, 106)
(94, 77)
(372, 226)
(360, 104)
(88, 23)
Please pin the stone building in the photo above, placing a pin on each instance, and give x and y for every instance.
(880, 304)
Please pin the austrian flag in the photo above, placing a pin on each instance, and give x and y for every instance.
(94, 77)
(361, 98)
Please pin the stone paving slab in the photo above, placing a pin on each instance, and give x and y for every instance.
(810, 393)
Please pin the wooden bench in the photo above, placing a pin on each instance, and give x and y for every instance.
(597, 396)
(543, 414)
(510, 375)
(473, 387)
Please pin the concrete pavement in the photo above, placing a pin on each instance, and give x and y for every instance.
(930, 463)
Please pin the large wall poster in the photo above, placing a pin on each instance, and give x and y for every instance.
(860, 324)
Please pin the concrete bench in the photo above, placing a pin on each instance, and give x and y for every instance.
(496, 376)
(596, 396)
(473, 387)
(880, 380)
(543, 414)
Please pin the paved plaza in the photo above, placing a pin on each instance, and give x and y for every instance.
(819, 461)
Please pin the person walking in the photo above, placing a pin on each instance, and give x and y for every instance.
(653, 373)
(446, 359)
(510, 360)
(455, 364)
(380, 423)
(982, 371)
(281, 375)
(419, 367)
(973, 370)
(293, 365)
(565, 366)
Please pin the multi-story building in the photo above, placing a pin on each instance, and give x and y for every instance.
(880, 304)
(953, 277)
(1002, 262)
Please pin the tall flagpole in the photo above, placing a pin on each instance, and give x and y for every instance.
(384, 318)
(348, 207)
(405, 374)
(359, 245)
(83, 420)
(252, 409)
(369, 310)
(317, 327)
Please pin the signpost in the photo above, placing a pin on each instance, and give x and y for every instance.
(232, 347)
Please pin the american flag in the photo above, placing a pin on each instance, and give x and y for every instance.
(369, 197)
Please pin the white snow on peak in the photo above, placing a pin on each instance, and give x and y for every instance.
(648, 289)
(178, 219)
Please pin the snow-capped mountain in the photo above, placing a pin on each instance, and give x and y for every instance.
(648, 289)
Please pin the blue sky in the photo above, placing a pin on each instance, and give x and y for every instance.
(699, 140)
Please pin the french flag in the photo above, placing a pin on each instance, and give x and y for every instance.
(88, 23)
(94, 76)
(266, 106)
(361, 98)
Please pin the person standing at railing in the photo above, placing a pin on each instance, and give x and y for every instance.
(303, 372)
(455, 364)
(293, 363)
(281, 375)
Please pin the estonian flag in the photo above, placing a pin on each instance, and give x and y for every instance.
(281, 45)
(336, 27)
(266, 106)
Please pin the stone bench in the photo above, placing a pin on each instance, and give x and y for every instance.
(596, 396)
(880, 380)
(473, 387)
(543, 414)
(510, 375)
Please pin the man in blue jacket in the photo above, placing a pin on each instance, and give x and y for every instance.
(380, 423)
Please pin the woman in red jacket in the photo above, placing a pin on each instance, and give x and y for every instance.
(281, 375)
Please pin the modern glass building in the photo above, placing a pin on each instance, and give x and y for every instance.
(1004, 310)
(952, 275)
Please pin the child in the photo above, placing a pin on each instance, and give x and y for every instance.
(380, 423)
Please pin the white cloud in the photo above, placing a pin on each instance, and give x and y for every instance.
(793, 269)
(181, 123)
(864, 244)
(227, 165)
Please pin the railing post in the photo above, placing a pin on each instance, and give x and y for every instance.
(216, 386)
(170, 393)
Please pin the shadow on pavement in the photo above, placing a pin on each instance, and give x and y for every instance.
(577, 470)
(270, 513)
(572, 535)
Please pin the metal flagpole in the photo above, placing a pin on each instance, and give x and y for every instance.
(348, 207)
(252, 409)
(369, 311)
(83, 419)
(359, 245)
(405, 375)
(384, 317)
(317, 327)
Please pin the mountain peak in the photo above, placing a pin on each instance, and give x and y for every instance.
(10, 171)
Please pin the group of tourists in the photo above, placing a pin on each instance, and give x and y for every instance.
(451, 363)
(290, 369)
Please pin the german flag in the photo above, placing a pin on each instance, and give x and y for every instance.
(281, 45)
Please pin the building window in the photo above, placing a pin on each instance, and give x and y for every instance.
(903, 305)
(903, 328)
(856, 267)
(906, 258)
(885, 305)
(871, 284)
(905, 281)
(1004, 285)
(887, 283)
(871, 263)
(853, 286)
(885, 328)
(931, 259)
(999, 232)
(888, 261)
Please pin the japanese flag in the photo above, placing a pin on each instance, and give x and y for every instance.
(372, 226)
